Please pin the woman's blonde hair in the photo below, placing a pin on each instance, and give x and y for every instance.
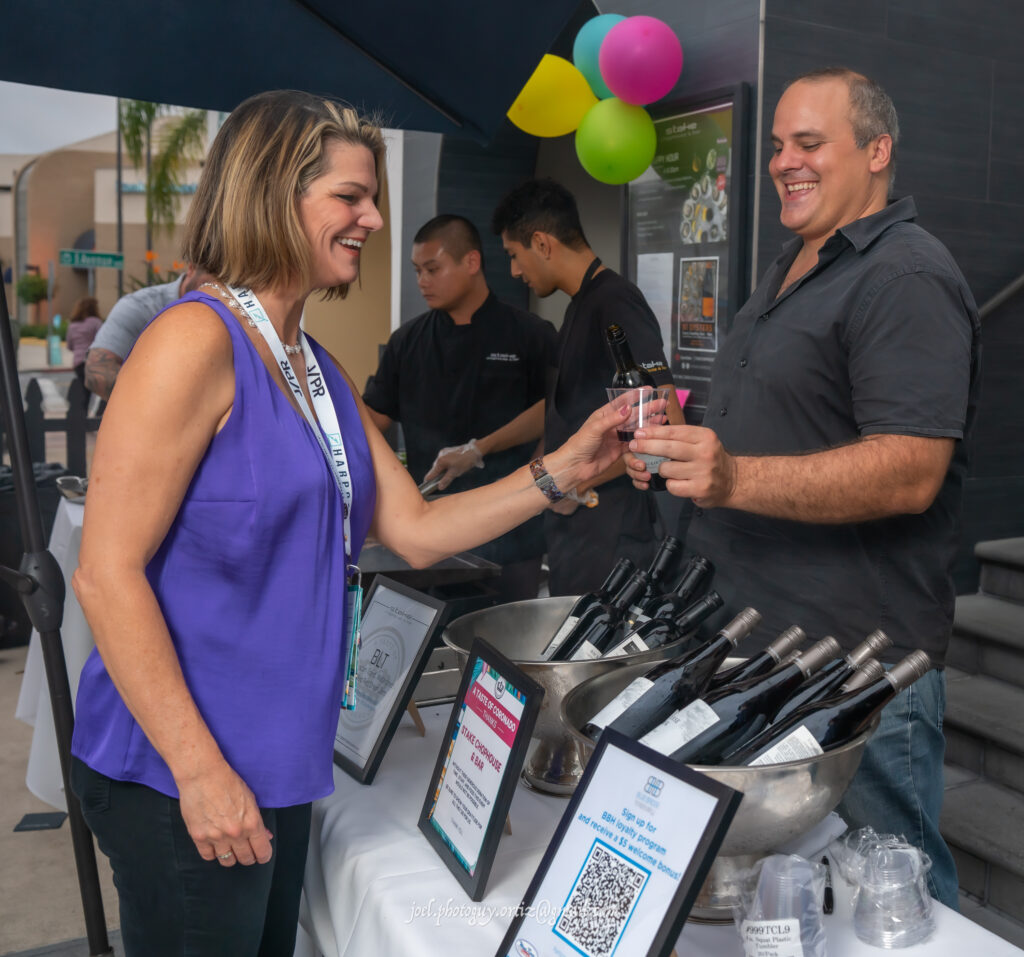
(243, 225)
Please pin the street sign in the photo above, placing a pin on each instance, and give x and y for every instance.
(87, 259)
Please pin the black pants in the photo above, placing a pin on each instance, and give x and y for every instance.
(175, 904)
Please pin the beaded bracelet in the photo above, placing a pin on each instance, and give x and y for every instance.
(543, 480)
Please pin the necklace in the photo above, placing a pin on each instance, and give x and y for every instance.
(232, 302)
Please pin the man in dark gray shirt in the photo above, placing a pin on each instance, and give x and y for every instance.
(826, 481)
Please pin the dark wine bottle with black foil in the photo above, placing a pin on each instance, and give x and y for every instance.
(656, 632)
(694, 580)
(760, 664)
(827, 681)
(672, 684)
(593, 634)
(629, 375)
(660, 568)
(719, 722)
(617, 577)
(823, 725)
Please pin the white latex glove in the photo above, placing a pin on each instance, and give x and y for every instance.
(453, 462)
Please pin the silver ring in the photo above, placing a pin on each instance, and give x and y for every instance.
(224, 857)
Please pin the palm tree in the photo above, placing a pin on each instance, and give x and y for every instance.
(181, 143)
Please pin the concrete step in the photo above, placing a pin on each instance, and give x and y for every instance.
(988, 637)
(983, 728)
(984, 827)
(1002, 568)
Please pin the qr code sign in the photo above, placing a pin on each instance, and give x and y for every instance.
(601, 901)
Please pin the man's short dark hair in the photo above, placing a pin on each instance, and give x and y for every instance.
(457, 233)
(539, 205)
(872, 111)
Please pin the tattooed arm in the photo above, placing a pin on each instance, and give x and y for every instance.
(101, 369)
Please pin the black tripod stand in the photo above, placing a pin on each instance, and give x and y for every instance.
(41, 586)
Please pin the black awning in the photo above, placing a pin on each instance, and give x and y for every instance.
(446, 66)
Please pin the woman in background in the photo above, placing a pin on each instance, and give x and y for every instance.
(83, 324)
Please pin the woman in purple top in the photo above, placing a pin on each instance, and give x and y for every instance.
(235, 477)
(83, 324)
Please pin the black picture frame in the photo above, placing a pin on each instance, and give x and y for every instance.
(414, 643)
(481, 652)
(726, 799)
(655, 216)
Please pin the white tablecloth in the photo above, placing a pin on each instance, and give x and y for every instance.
(375, 886)
(43, 776)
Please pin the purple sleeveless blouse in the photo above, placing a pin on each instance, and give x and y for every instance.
(251, 582)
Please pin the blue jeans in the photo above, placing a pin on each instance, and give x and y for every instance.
(175, 904)
(898, 788)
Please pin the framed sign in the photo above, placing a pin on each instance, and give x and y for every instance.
(397, 629)
(686, 231)
(627, 860)
(478, 767)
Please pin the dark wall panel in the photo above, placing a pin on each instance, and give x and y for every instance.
(953, 69)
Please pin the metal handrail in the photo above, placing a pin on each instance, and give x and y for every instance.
(1000, 297)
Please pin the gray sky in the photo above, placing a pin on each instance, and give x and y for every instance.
(35, 119)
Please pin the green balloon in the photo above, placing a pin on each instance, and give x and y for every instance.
(616, 141)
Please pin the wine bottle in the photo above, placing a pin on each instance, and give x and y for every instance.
(617, 577)
(764, 662)
(672, 684)
(629, 375)
(865, 674)
(594, 633)
(660, 567)
(656, 632)
(707, 295)
(696, 577)
(827, 681)
(708, 728)
(822, 725)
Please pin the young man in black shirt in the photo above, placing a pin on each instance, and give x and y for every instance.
(466, 380)
(540, 229)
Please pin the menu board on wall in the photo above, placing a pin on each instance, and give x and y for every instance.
(686, 232)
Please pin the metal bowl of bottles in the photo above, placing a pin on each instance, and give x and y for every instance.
(521, 630)
(780, 801)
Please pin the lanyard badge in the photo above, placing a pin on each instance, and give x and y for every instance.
(334, 452)
(353, 621)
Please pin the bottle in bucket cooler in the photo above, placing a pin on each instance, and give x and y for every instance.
(656, 632)
(821, 726)
(696, 578)
(762, 663)
(716, 724)
(589, 603)
(660, 567)
(594, 633)
(827, 682)
(647, 701)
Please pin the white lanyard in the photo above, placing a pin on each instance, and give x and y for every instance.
(325, 410)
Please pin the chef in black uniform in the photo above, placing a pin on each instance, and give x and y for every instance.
(540, 229)
(466, 380)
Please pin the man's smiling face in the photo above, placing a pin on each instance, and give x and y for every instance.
(823, 179)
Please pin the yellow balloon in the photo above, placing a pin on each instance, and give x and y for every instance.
(554, 99)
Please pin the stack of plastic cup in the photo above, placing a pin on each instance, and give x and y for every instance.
(893, 907)
(790, 888)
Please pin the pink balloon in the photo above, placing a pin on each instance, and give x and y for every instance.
(640, 59)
